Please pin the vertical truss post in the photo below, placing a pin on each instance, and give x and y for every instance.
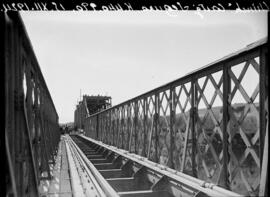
(97, 129)
(122, 126)
(9, 106)
(103, 127)
(194, 107)
(226, 93)
(125, 127)
(106, 117)
(172, 121)
(113, 126)
(264, 122)
(18, 125)
(135, 126)
(118, 128)
(14, 118)
(86, 125)
(110, 127)
(263, 90)
(107, 127)
(91, 131)
(145, 108)
(101, 123)
(9, 111)
(129, 126)
(156, 127)
(150, 137)
(26, 142)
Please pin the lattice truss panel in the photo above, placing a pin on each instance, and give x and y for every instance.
(107, 127)
(125, 130)
(209, 132)
(32, 100)
(41, 122)
(140, 127)
(110, 126)
(99, 127)
(149, 121)
(122, 126)
(243, 127)
(115, 126)
(210, 124)
(164, 136)
(118, 131)
(182, 128)
(132, 139)
(31, 122)
(102, 127)
(93, 126)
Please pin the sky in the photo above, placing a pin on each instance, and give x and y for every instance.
(124, 54)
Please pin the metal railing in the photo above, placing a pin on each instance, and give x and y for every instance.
(31, 121)
(210, 124)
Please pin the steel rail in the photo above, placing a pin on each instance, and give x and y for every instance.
(86, 170)
(97, 177)
(83, 174)
(75, 179)
(196, 184)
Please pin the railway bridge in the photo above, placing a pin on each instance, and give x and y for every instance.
(204, 134)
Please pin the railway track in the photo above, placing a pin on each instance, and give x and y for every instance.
(119, 173)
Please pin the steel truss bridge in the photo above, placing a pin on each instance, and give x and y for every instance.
(175, 140)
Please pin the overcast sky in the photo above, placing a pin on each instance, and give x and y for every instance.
(124, 54)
